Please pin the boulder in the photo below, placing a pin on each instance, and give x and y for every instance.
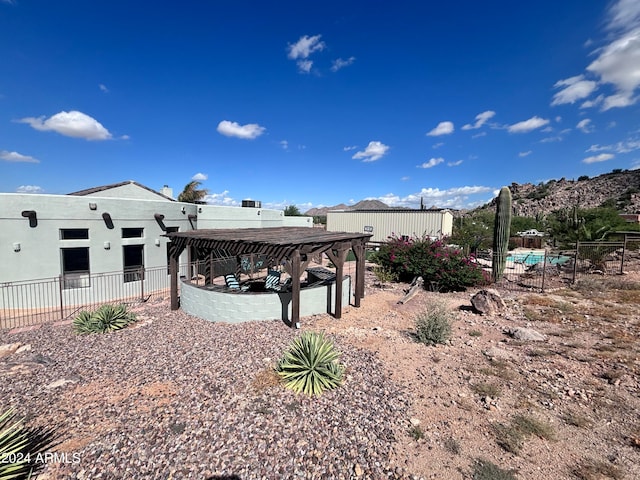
(8, 349)
(526, 334)
(488, 302)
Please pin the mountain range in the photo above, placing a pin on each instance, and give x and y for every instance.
(619, 189)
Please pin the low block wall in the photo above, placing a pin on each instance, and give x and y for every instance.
(246, 306)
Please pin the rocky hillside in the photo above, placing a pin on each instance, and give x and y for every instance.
(361, 205)
(620, 189)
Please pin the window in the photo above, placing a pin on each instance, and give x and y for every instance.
(75, 267)
(132, 232)
(74, 234)
(133, 261)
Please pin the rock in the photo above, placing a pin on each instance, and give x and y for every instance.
(358, 470)
(527, 334)
(499, 353)
(9, 349)
(59, 383)
(415, 422)
(24, 348)
(488, 302)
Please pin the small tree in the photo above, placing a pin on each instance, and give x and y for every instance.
(292, 211)
(193, 194)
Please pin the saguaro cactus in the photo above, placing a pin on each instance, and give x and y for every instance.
(501, 233)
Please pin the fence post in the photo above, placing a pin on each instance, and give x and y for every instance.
(544, 268)
(60, 289)
(142, 284)
(624, 250)
(575, 262)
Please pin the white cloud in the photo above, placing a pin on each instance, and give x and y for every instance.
(618, 63)
(305, 46)
(458, 197)
(340, 63)
(431, 163)
(585, 126)
(620, 147)
(222, 198)
(435, 146)
(405, 178)
(481, 119)
(29, 189)
(575, 88)
(454, 164)
(103, 88)
(351, 147)
(527, 125)
(603, 157)
(249, 131)
(443, 128)
(284, 144)
(374, 151)
(593, 103)
(525, 154)
(304, 65)
(302, 49)
(16, 157)
(199, 177)
(478, 135)
(71, 124)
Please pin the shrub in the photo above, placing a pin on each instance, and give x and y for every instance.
(384, 274)
(433, 325)
(310, 365)
(433, 260)
(20, 447)
(106, 319)
(486, 470)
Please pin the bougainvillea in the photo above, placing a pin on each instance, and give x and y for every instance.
(437, 263)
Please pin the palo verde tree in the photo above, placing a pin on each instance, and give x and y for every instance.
(193, 194)
(292, 211)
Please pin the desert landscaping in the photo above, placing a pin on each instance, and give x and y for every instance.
(546, 388)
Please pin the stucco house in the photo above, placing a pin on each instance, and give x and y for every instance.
(116, 229)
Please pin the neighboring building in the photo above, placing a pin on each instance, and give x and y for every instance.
(114, 228)
(435, 223)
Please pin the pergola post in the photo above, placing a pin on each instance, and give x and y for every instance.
(174, 257)
(359, 252)
(295, 288)
(338, 258)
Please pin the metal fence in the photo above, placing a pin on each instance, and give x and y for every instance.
(34, 302)
(536, 271)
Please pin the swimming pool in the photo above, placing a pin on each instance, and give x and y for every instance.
(532, 258)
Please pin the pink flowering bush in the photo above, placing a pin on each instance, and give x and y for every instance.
(433, 260)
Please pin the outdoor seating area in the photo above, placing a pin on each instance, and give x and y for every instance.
(266, 261)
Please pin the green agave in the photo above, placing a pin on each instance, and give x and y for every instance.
(12, 444)
(106, 319)
(20, 447)
(310, 365)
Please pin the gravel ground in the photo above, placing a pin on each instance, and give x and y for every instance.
(180, 397)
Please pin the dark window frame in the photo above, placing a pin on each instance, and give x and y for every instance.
(74, 234)
(75, 277)
(132, 232)
(133, 269)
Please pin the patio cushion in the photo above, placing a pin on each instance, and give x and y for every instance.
(231, 281)
(272, 282)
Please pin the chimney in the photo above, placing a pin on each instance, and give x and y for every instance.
(167, 191)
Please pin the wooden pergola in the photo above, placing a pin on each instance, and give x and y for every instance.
(292, 247)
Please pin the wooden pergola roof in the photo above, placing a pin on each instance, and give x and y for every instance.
(292, 246)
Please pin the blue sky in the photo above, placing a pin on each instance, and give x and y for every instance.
(316, 104)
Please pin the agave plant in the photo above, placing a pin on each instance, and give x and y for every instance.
(310, 365)
(106, 319)
(20, 447)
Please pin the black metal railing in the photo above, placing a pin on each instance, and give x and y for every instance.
(32, 302)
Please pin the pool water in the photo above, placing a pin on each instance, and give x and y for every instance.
(533, 258)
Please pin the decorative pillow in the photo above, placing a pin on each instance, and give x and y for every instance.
(272, 282)
(231, 281)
